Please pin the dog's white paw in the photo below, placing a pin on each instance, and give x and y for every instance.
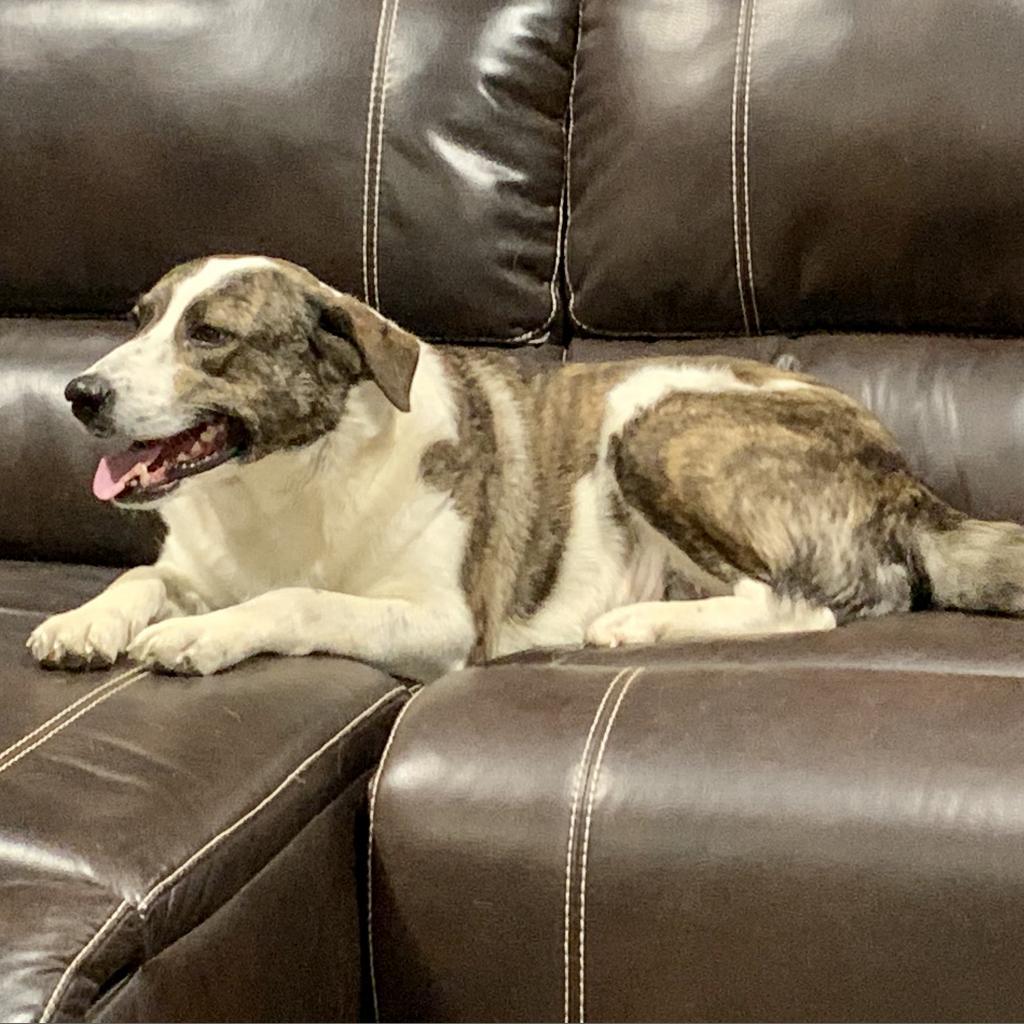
(631, 624)
(195, 645)
(82, 638)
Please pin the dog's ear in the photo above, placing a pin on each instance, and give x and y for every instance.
(388, 353)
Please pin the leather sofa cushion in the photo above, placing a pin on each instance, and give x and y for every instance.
(133, 807)
(47, 509)
(743, 167)
(820, 827)
(408, 153)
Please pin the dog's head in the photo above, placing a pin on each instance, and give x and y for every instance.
(235, 357)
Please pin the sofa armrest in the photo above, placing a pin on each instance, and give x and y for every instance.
(156, 831)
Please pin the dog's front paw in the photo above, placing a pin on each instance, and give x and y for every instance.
(82, 638)
(195, 645)
(632, 624)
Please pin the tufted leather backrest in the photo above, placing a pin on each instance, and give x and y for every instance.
(759, 166)
(411, 153)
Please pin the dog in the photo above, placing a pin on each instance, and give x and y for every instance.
(332, 484)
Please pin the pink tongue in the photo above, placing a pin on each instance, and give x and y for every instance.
(114, 470)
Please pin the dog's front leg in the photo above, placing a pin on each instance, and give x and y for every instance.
(419, 639)
(95, 634)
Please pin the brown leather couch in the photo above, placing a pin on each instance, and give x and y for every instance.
(820, 827)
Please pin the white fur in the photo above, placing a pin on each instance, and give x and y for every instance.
(339, 547)
(753, 609)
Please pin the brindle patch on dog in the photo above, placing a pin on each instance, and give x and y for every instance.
(266, 367)
(801, 489)
(470, 470)
(514, 483)
(280, 352)
(566, 408)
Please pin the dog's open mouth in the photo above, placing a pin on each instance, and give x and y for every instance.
(150, 469)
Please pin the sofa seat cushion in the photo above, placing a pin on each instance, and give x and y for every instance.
(799, 828)
(134, 807)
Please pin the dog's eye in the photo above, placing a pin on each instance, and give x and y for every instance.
(206, 334)
(140, 315)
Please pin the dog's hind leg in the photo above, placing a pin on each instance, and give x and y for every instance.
(753, 609)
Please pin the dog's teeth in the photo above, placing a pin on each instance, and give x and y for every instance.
(144, 476)
(197, 448)
(208, 434)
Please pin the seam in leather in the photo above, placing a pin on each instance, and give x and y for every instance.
(741, 238)
(374, 783)
(746, 166)
(64, 980)
(537, 334)
(586, 830)
(168, 880)
(61, 720)
(106, 684)
(143, 905)
(737, 73)
(388, 49)
(567, 177)
(369, 149)
(581, 770)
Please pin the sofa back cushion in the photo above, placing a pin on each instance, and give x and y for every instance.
(759, 166)
(411, 154)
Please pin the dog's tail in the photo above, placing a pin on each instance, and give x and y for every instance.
(972, 565)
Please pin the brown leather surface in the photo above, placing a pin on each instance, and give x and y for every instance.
(31, 589)
(286, 946)
(135, 136)
(813, 828)
(47, 461)
(860, 162)
(134, 806)
(953, 403)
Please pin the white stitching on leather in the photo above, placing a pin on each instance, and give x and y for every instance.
(573, 810)
(369, 150)
(567, 185)
(123, 681)
(369, 854)
(380, 151)
(746, 165)
(63, 711)
(147, 901)
(530, 334)
(737, 74)
(62, 983)
(586, 829)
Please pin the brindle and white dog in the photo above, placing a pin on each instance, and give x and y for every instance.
(330, 483)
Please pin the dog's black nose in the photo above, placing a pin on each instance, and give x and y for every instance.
(90, 397)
